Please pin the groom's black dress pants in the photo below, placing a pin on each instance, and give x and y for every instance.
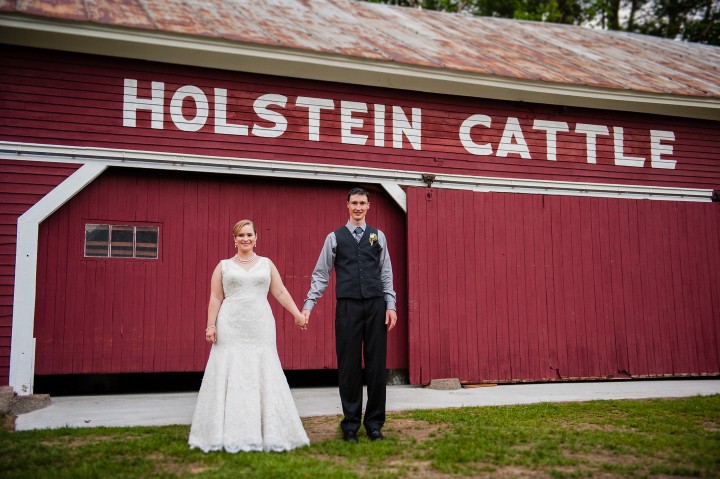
(360, 331)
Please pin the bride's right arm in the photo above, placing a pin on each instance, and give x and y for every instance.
(216, 299)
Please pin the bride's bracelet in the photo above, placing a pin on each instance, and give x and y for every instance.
(209, 327)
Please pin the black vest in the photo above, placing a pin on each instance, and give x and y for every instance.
(357, 265)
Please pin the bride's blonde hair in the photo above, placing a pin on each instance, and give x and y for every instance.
(242, 223)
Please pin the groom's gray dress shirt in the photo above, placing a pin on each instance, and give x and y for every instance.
(326, 261)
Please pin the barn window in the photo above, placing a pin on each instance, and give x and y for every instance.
(121, 241)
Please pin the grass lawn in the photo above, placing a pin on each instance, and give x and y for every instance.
(644, 438)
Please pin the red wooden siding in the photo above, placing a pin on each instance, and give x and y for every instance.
(508, 287)
(22, 184)
(70, 99)
(119, 315)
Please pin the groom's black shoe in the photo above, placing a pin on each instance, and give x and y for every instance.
(350, 436)
(375, 435)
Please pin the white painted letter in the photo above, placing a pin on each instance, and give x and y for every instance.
(657, 149)
(551, 128)
(379, 125)
(221, 125)
(131, 103)
(620, 158)
(513, 132)
(201, 108)
(401, 126)
(591, 132)
(347, 122)
(260, 106)
(314, 105)
(467, 141)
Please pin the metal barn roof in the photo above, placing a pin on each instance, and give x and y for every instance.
(374, 44)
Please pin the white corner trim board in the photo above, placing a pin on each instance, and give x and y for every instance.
(22, 349)
(396, 193)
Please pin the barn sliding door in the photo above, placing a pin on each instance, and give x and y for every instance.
(517, 287)
(126, 307)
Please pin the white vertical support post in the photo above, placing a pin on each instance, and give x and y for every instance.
(22, 346)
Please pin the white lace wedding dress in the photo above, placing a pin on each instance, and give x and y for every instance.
(245, 402)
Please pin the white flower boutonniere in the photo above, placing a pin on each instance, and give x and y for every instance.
(373, 239)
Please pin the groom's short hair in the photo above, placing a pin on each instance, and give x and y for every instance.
(359, 191)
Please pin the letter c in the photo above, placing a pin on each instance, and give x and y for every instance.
(467, 141)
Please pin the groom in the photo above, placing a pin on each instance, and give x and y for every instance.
(364, 313)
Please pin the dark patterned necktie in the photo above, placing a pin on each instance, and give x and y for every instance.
(358, 234)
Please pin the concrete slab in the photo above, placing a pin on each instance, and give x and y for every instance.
(177, 408)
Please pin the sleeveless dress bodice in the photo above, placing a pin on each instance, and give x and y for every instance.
(245, 316)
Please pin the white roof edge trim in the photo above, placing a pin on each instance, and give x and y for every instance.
(255, 58)
(315, 171)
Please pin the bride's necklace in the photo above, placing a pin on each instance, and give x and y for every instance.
(237, 259)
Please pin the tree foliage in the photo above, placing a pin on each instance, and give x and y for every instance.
(690, 20)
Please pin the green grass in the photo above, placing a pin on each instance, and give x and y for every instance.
(647, 438)
(622, 438)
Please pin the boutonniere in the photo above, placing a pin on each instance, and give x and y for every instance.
(373, 239)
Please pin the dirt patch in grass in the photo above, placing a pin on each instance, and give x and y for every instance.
(419, 470)
(593, 427)
(402, 466)
(7, 422)
(608, 458)
(165, 464)
(323, 428)
(595, 465)
(406, 431)
(711, 426)
(78, 441)
(420, 431)
(513, 472)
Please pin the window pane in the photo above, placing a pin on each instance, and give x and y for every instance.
(121, 241)
(146, 242)
(121, 244)
(96, 240)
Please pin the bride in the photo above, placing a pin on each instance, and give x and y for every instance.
(245, 402)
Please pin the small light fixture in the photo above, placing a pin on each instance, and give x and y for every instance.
(428, 179)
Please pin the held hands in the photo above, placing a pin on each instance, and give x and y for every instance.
(301, 320)
(306, 313)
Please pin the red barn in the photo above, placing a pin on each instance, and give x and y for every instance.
(546, 189)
